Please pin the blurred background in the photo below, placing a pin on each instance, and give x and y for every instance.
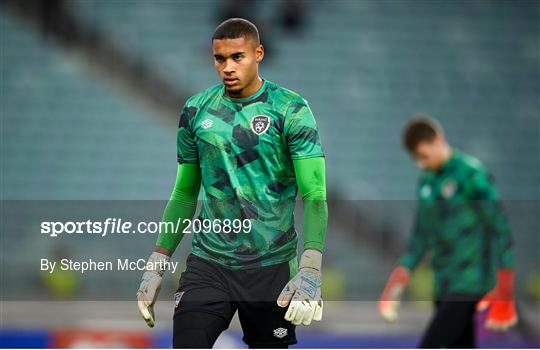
(90, 96)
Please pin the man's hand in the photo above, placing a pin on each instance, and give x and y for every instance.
(391, 295)
(149, 288)
(303, 293)
(500, 301)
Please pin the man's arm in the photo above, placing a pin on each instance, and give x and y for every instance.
(182, 205)
(502, 312)
(487, 202)
(303, 293)
(311, 180)
(399, 278)
(417, 245)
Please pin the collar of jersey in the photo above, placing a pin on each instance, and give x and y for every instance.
(248, 98)
(448, 163)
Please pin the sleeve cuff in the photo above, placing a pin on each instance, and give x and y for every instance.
(314, 245)
(306, 156)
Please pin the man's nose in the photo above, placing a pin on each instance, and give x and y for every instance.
(229, 67)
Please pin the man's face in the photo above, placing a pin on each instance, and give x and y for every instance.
(237, 61)
(429, 155)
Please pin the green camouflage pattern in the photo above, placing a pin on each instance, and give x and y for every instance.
(461, 222)
(245, 148)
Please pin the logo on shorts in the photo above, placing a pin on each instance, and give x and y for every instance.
(207, 123)
(280, 332)
(260, 124)
(177, 297)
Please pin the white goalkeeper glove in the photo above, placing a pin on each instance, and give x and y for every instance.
(303, 293)
(149, 288)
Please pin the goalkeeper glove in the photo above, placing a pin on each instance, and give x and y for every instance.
(149, 288)
(500, 302)
(391, 295)
(303, 293)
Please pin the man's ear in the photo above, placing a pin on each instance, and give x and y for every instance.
(259, 53)
(439, 140)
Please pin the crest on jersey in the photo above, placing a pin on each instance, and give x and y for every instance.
(260, 124)
(449, 189)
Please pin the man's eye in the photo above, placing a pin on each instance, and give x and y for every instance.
(219, 59)
(237, 57)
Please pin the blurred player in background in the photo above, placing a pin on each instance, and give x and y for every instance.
(252, 145)
(461, 222)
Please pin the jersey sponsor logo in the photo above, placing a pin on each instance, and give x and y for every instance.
(207, 123)
(280, 332)
(177, 298)
(260, 124)
(449, 189)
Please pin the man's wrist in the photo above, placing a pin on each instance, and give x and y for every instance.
(154, 265)
(505, 282)
(311, 259)
(163, 251)
(314, 245)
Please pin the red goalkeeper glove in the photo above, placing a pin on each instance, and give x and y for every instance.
(500, 303)
(391, 295)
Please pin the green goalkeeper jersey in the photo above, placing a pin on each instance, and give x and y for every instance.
(245, 149)
(461, 222)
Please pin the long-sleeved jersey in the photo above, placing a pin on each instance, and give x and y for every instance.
(245, 149)
(460, 220)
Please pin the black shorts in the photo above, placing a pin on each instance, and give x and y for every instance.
(206, 287)
(452, 326)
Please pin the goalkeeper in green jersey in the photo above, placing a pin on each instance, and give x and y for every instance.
(460, 221)
(250, 145)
